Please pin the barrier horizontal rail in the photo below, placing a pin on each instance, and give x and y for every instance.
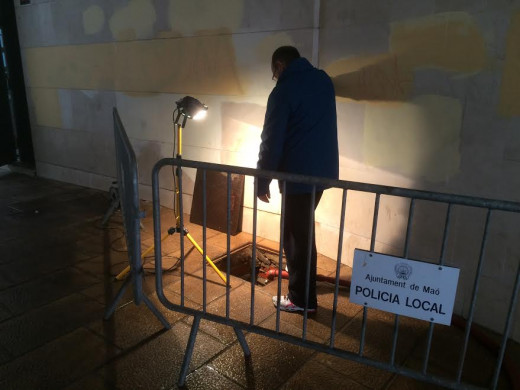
(378, 190)
(493, 204)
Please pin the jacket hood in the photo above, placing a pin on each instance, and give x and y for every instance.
(298, 65)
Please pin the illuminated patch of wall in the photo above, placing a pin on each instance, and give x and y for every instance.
(255, 58)
(133, 21)
(93, 19)
(241, 127)
(510, 88)
(78, 67)
(47, 107)
(202, 65)
(450, 41)
(197, 16)
(419, 139)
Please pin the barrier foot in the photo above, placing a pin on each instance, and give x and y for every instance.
(243, 342)
(112, 308)
(156, 312)
(189, 351)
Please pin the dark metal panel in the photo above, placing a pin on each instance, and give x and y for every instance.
(216, 201)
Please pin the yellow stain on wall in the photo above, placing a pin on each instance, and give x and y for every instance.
(135, 21)
(417, 139)
(47, 107)
(202, 65)
(93, 19)
(510, 88)
(450, 41)
(79, 67)
(194, 16)
(264, 50)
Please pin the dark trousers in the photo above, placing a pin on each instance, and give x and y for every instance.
(298, 220)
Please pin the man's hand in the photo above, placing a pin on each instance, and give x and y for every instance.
(265, 197)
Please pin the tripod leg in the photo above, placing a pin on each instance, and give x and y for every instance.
(208, 260)
(113, 207)
(124, 273)
(115, 203)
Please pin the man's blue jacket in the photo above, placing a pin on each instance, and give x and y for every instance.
(300, 127)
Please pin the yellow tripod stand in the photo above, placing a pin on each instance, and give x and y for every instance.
(186, 108)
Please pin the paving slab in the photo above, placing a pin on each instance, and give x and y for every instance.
(156, 364)
(319, 324)
(91, 382)
(4, 313)
(5, 356)
(272, 362)
(239, 310)
(316, 376)
(378, 345)
(36, 293)
(131, 324)
(57, 363)
(207, 378)
(23, 333)
(444, 358)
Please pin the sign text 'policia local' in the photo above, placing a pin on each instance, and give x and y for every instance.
(411, 288)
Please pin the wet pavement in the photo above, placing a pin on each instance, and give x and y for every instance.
(57, 269)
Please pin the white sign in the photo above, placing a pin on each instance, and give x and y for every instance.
(406, 287)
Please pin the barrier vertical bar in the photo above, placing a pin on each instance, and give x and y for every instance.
(228, 257)
(405, 255)
(309, 261)
(204, 236)
(446, 233)
(507, 329)
(181, 234)
(280, 256)
(372, 247)
(338, 268)
(474, 296)
(255, 210)
(156, 211)
(441, 262)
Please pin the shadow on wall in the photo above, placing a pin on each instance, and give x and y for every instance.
(379, 79)
(416, 135)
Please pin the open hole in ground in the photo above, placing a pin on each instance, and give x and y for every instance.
(240, 261)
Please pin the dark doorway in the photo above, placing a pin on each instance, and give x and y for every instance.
(15, 130)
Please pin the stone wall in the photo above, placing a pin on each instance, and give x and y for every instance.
(428, 97)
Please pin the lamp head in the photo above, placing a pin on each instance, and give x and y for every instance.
(191, 108)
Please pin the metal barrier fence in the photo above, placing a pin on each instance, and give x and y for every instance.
(128, 182)
(491, 206)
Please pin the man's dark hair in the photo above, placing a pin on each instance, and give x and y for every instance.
(285, 54)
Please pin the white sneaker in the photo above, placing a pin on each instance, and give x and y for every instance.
(287, 305)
